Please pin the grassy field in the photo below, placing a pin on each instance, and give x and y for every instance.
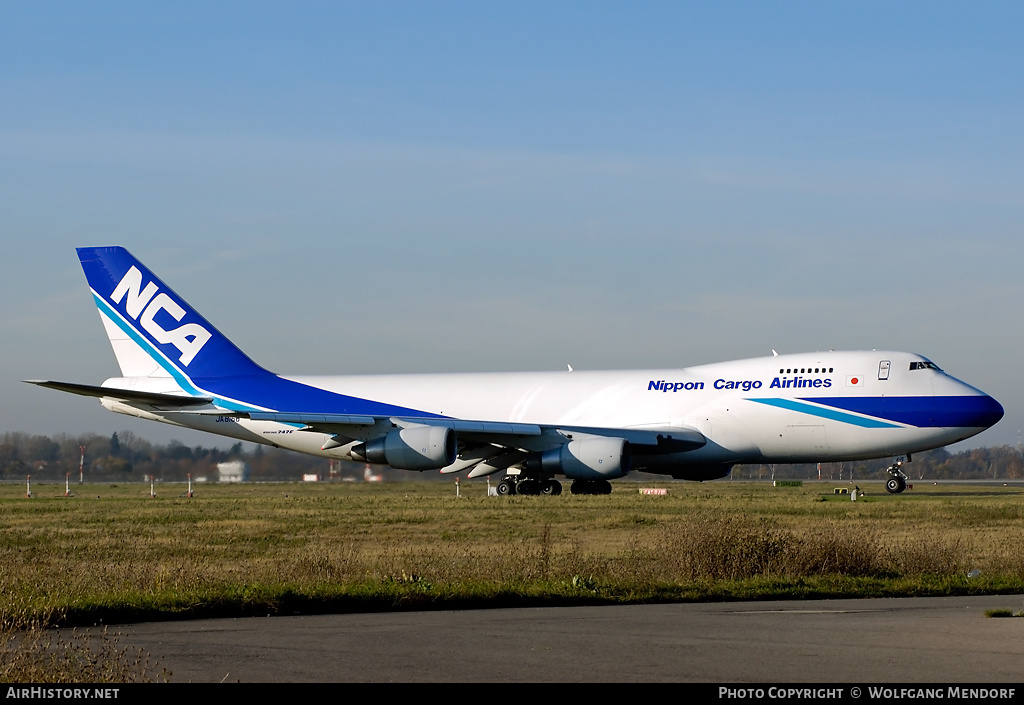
(113, 554)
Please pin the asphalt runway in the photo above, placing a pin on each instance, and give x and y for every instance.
(909, 640)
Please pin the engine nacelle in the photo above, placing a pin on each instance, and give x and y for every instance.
(413, 448)
(589, 459)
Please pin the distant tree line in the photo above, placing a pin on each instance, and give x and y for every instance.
(991, 463)
(124, 457)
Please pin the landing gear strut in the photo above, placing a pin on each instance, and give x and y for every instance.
(897, 481)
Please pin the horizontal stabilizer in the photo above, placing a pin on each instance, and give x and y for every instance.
(128, 395)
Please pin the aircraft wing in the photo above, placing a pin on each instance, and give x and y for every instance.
(337, 423)
(480, 446)
(512, 435)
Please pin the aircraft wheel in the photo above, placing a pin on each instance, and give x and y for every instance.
(551, 487)
(506, 488)
(895, 485)
(528, 487)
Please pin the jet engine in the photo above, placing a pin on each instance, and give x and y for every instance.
(412, 448)
(589, 459)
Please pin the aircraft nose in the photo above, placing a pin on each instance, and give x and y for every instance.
(995, 411)
(980, 411)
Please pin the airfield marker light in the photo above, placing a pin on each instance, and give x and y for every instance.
(81, 464)
(456, 487)
(152, 487)
(190, 484)
(67, 484)
(28, 486)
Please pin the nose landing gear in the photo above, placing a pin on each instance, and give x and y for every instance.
(897, 481)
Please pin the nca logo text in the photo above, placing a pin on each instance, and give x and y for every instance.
(144, 304)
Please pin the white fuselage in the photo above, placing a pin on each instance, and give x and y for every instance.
(757, 410)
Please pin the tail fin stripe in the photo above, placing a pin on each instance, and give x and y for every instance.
(154, 313)
(164, 336)
(160, 358)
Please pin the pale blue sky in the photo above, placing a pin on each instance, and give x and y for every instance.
(436, 186)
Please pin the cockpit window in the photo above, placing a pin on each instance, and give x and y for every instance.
(924, 366)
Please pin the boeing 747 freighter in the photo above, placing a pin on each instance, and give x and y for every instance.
(692, 423)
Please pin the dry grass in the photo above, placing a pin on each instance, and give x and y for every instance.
(32, 651)
(36, 654)
(261, 549)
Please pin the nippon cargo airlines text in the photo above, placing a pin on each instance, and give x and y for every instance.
(37, 692)
(745, 384)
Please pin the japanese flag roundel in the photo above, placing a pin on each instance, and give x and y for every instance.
(855, 381)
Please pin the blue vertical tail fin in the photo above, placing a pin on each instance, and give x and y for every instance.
(153, 331)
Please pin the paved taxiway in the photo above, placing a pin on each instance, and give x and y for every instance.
(911, 640)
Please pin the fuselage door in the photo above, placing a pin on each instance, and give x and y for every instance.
(883, 369)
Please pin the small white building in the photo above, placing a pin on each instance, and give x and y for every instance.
(233, 471)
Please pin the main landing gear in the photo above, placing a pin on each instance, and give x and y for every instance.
(897, 481)
(510, 485)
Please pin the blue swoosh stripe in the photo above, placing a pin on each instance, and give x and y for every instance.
(104, 267)
(184, 382)
(288, 396)
(965, 411)
(260, 392)
(825, 413)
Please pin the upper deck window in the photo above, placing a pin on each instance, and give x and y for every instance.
(924, 366)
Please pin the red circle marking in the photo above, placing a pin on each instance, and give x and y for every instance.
(854, 381)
